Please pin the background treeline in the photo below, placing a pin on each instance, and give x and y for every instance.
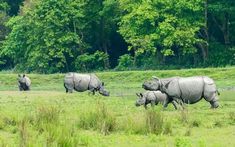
(49, 36)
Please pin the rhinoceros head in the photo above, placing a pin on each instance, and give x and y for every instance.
(21, 79)
(103, 91)
(141, 99)
(152, 85)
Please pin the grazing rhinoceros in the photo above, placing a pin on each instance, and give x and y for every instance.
(23, 82)
(153, 98)
(83, 82)
(188, 90)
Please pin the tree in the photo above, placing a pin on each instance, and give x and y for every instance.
(165, 25)
(47, 37)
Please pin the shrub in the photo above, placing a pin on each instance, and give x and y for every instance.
(125, 62)
(96, 61)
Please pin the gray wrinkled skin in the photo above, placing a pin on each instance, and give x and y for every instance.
(24, 83)
(153, 98)
(83, 82)
(188, 90)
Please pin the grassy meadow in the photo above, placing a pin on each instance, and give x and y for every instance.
(47, 116)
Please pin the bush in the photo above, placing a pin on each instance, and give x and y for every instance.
(220, 55)
(125, 62)
(88, 62)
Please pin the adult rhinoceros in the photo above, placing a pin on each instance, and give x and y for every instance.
(83, 82)
(23, 82)
(188, 90)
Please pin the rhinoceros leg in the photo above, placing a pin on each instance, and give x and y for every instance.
(68, 88)
(153, 103)
(92, 91)
(20, 87)
(175, 104)
(145, 106)
(166, 102)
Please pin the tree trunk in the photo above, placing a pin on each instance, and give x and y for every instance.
(205, 48)
(226, 30)
(103, 41)
(224, 27)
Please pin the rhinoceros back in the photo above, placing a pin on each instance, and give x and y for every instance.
(191, 89)
(81, 81)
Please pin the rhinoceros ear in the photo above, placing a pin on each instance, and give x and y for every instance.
(141, 94)
(18, 75)
(155, 78)
(138, 94)
(23, 75)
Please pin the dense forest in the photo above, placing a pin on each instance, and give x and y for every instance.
(48, 36)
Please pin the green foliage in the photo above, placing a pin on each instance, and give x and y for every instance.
(94, 61)
(223, 56)
(4, 6)
(149, 24)
(66, 35)
(45, 38)
(125, 62)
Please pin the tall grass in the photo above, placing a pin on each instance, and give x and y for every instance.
(23, 133)
(154, 122)
(47, 114)
(98, 118)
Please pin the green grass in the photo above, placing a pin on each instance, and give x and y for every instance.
(47, 116)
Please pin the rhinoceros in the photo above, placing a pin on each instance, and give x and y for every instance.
(186, 89)
(82, 82)
(153, 98)
(23, 82)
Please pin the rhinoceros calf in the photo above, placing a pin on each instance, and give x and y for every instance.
(188, 90)
(153, 98)
(83, 82)
(23, 82)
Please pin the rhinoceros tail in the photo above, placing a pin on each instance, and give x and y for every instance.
(218, 92)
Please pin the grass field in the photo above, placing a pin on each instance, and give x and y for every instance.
(47, 116)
